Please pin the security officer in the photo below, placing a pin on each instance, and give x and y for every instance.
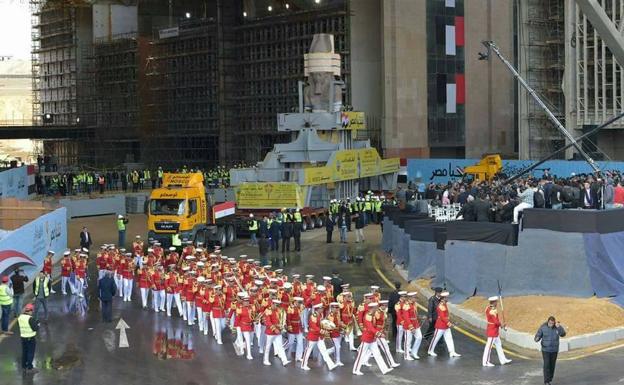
(287, 232)
(252, 223)
(6, 301)
(298, 227)
(28, 327)
(160, 176)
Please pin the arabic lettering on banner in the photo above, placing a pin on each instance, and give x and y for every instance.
(269, 195)
(345, 165)
(390, 165)
(317, 175)
(370, 162)
(27, 246)
(445, 170)
(14, 183)
(353, 120)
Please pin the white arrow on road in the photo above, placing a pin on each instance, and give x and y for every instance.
(123, 338)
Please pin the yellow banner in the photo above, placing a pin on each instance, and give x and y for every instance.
(351, 164)
(370, 163)
(353, 120)
(269, 195)
(390, 165)
(345, 165)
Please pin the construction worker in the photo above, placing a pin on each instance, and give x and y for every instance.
(28, 327)
(6, 301)
(121, 229)
(252, 224)
(160, 176)
(41, 290)
(297, 228)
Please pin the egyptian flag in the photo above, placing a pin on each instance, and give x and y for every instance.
(451, 91)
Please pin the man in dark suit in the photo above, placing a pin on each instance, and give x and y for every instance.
(432, 314)
(482, 208)
(85, 239)
(107, 291)
(589, 197)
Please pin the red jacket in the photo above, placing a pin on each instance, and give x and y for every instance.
(443, 317)
(493, 322)
(293, 319)
(409, 315)
(244, 318)
(217, 303)
(271, 321)
(144, 279)
(66, 267)
(47, 266)
(370, 330)
(336, 319)
(314, 327)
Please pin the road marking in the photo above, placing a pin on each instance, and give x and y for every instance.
(459, 329)
(608, 349)
(123, 338)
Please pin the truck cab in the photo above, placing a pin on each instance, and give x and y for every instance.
(182, 206)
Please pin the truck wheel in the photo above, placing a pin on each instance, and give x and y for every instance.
(319, 222)
(200, 237)
(230, 234)
(304, 224)
(221, 237)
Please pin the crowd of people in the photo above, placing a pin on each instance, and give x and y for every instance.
(495, 201)
(87, 182)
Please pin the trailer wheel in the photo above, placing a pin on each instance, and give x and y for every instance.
(319, 222)
(230, 234)
(221, 237)
(304, 224)
(200, 237)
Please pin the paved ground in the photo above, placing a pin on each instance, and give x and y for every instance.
(76, 348)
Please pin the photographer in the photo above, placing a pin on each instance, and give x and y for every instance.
(17, 281)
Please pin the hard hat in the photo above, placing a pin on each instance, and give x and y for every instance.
(251, 215)
(119, 216)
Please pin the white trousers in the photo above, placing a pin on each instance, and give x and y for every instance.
(493, 341)
(64, 282)
(385, 349)
(260, 336)
(127, 288)
(79, 289)
(295, 344)
(359, 235)
(448, 339)
(144, 295)
(247, 336)
(278, 348)
(190, 313)
(365, 350)
(518, 209)
(337, 344)
(412, 342)
(350, 339)
(219, 324)
(201, 318)
(119, 283)
(398, 345)
(171, 297)
(320, 344)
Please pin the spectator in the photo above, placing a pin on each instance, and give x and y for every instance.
(329, 227)
(609, 195)
(17, 281)
(526, 201)
(548, 334)
(342, 225)
(589, 198)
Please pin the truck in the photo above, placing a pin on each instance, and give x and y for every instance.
(182, 206)
(486, 169)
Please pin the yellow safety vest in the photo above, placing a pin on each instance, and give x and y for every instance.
(298, 217)
(46, 291)
(5, 298)
(175, 240)
(121, 226)
(24, 326)
(253, 226)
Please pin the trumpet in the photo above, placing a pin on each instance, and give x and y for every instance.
(356, 327)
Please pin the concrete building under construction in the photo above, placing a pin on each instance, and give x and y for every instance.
(186, 82)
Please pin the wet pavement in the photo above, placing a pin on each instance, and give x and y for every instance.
(75, 347)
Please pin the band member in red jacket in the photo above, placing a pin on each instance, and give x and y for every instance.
(245, 316)
(145, 283)
(492, 331)
(274, 334)
(411, 327)
(294, 327)
(66, 270)
(443, 328)
(316, 337)
(368, 346)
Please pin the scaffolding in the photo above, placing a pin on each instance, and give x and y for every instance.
(599, 78)
(541, 60)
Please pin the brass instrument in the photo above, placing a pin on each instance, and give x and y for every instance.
(357, 330)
